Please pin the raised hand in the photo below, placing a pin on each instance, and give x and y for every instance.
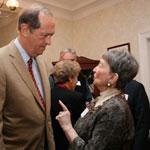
(64, 117)
(65, 122)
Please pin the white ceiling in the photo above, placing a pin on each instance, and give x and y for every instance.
(76, 9)
(70, 4)
(70, 9)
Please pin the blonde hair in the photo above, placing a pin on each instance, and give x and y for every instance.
(63, 70)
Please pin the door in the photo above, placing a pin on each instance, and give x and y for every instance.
(144, 52)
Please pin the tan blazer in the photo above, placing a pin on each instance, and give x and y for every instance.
(24, 123)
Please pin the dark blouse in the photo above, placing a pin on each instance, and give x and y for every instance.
(109, 127)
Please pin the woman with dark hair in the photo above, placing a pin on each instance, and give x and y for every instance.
(107, 124)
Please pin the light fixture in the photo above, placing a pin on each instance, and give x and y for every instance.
(11, 4)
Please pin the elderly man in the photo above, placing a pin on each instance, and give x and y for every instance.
(25, 121)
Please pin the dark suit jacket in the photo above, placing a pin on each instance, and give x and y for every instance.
(24, 122)
(74, 102)
(84, 87)
(140, 108)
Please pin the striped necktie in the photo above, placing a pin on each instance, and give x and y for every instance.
(30, 61)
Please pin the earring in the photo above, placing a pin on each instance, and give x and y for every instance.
(109, 84)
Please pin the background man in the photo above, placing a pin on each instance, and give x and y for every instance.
(139, 104)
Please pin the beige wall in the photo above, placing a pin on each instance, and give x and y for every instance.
(91, 35)
(8, 30)
(115, 25)
(112, 26)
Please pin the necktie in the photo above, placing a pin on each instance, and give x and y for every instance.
(33, 78)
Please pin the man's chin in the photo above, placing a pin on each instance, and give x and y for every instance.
(41, 51)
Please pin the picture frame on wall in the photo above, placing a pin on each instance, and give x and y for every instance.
(121, 47)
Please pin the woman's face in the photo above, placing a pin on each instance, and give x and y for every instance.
(73, 82)
(102, 74)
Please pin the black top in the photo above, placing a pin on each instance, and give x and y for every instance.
(84, 87)
(74, 102)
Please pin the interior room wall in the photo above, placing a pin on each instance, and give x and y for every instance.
(92, 35)
(8, 30)
(112, 26)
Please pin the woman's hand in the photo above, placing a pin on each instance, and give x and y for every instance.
(65, 122)
(64, 118)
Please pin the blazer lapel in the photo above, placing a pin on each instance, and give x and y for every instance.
(45, 81)
(22, 69)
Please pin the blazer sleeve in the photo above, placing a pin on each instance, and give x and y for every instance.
(2, 100)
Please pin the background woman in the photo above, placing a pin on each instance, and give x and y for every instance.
(65, 74)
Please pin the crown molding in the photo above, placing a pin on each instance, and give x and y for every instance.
(70, 5)
(93, 8)
(58, 12)
(72, 10)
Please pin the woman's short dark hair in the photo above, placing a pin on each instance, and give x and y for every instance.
(63, 70)
(30, 16)
(122, 63)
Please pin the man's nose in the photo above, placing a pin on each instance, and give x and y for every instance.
(48, 40)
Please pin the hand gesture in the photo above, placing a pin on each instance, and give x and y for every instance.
(64, 117)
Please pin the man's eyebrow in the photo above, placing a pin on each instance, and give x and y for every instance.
(47, 34)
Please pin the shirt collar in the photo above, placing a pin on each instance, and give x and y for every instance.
(22, 51)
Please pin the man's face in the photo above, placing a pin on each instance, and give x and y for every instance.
(39, 38)
(68, 56)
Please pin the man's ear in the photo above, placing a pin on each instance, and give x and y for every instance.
(25, 29)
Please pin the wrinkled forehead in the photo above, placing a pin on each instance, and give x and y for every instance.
(103, 61)
(46, 19)
(68, 56)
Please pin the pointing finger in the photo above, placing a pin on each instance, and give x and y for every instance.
(63, 106)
